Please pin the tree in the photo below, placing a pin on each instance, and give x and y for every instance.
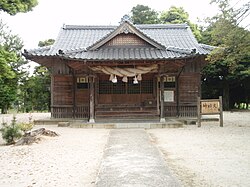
(35, 93)
(46, 42)
(11, 62)
(174, 15)
(142, 14)
(229, 66)
(178, 15)
(34, 90)
(15, 6)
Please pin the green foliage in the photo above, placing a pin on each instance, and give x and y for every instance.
(145, 15)
(11, 63)
(15, 6)
(46, 42)
(174, 15)
(35, 92)
(10, 133)
(229, 66)
(26, 126)
(142, 14)
(178, 15)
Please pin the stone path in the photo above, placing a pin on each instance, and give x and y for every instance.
(130, 159)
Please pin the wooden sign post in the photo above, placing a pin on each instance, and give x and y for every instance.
(209, 107)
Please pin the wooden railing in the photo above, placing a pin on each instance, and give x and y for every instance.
(184, 110)
(68, 111)
(187, 111)
(170, 111)
(82, 112)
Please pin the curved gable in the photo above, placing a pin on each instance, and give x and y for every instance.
(126, 33)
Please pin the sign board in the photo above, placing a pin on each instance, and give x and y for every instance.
(168, 96)
(82, 80)
(209, 107)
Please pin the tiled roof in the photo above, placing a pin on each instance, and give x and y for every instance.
(126, 54)
(75, 42)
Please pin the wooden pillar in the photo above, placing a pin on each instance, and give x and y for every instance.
(162, 118)
(177, 97)
(74, 95)
(91, 100)
(199, 112)
(221, 112)
(52, 96)
(157, 95)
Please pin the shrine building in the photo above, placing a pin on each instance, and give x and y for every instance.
(124, 71)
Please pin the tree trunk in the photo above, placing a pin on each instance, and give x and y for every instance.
(4, 110)
(225, 96)
(35, 136)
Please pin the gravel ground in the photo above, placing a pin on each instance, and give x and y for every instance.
(72, 159)
(23, 117)
(211, 155)
(208, 156)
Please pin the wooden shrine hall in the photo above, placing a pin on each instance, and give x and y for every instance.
(124, 71)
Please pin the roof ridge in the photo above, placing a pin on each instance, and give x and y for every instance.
(141, 26)
(181, 50)
(205, 46)
(164, 26)
(89, 27)
(69, 51)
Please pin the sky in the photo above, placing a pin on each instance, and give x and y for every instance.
(46, 19)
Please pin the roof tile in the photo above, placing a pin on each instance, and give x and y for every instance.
(74, 41)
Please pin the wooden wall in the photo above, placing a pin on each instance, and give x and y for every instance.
(62, 90)
(68, 101)
(189, 84)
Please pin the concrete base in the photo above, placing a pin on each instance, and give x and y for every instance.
(164, 123)
(162, 120)
(91, 120)
(63, 124)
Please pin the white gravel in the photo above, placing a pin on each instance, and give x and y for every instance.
(72, 159)
(23, 117)
(208, 156)
(211, 155)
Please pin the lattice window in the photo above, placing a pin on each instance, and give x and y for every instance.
(119, 88)
(169, 82)
(133, 88)
(144, 87)
(82, 83)
(147, 86)
(105, 87)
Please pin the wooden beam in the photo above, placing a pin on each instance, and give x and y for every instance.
(91, 101)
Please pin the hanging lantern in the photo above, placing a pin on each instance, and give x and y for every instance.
(114, 80)
(135, 80)
(111, 77)
(125, 79)
(139, 77)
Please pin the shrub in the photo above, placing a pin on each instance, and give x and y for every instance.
(12, 132)
(25, 126)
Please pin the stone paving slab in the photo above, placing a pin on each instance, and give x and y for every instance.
(131, 159)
